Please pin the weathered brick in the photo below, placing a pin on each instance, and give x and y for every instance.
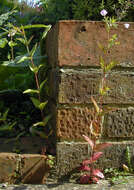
(25, 168)
(7, 166)
(31, 145)
(77, 86)
(119, 123)
(75, 43)
(70, 155)
(34, 168)
(72, 123)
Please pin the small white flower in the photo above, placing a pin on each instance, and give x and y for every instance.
(103, 12)
(126, 25)
(11, 33)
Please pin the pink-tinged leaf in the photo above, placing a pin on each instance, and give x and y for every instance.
(90, 142)
(84, 168)
(93, 158)
(95, 180)
(101, 146)
(85, 179)
(86, 162)
(98, 173)
(98, 110)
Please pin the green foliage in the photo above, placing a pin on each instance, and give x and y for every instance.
(114, 175)
(5, 126)
(15, 71)
(98, 111)
(128, 159)
(86, 10)
(29, 56)
(55, 10)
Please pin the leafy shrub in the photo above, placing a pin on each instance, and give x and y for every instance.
(55, 10)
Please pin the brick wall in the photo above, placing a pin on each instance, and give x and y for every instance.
(72, 48)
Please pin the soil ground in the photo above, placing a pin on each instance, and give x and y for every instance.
(127, 184)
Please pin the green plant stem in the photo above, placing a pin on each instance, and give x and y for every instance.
(12, 51)
(35, 74)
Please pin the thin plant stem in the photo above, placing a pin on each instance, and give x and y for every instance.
(35, 74)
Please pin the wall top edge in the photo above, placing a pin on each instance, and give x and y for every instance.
(87, 21)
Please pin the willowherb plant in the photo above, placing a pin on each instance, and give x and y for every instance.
(18, 34)
(93, 175)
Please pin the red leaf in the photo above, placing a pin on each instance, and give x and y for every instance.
(101, 146)
(93, 158)
(85, 179)
(98, 173)
(95, 180)
(84, 168)
(90, 142)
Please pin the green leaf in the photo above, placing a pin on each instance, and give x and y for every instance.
(36, 102)
(4, 17)
(29, 41)
(111, 65)
(104, 90)
(42, 105)
(3, 42)
(7, 127)
(24, 58)
(22, 40)
(42, 84)
(5, 114)
(3, 34)
(46, 31)
(35, 69)
(41, 123)
(45, 121)
(102, 63)
(12, 44)
(31, 91)
(35, 26)
(33, 50)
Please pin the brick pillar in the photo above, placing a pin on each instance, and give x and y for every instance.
(72, 48)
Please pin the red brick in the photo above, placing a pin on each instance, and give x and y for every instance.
(75, 43)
